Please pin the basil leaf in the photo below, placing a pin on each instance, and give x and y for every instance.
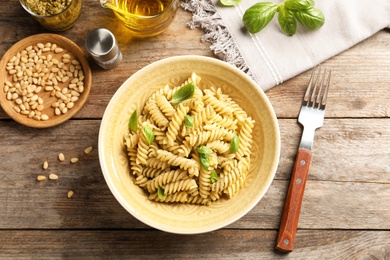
(311, 18)
(148, 133)
(160, 193)
(133, 121)
(258, 16)
(204, 160)
(183, 93)
(213, 177)
(230, 2)
(287, 21)
(234, 144)
(298, 4)
(189, 121)
(204, 149)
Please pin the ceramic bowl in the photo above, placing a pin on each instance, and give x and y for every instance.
(186, 218)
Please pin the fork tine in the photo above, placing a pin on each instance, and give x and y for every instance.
(312, 102)
(307, 93)
(325, 97)
(318, 99)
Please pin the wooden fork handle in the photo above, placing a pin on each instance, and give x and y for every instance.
(292, 206)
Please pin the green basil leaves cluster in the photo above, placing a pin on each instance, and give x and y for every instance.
(290, 12)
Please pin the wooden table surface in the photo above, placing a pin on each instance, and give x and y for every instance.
(346, 207)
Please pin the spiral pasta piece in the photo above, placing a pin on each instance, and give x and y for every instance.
(198, 200)
(166, 107)
(245, 136)
(152, 172)
(141, 181)
(219, 146)
(134, 166)
(142, 151)
(131, 140)
(175, 124)
(167, 177)
(157, 116)
(180, 185)
(220, 107)
(156, 163)
(175, 160)
(176, 197)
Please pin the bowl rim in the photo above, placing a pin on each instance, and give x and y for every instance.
(170, 229)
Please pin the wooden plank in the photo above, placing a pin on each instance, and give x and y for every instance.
(223, 244)
(359, 85)
(349, 194)
(340, 150)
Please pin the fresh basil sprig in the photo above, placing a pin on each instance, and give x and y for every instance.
(234, 144)
(204, 149)
(183, 93)
(311, 18)
(189, 121)
(160, 193)
(287, 20)
(133, 121)
(203, 153)
(298, 4)
(260, 14)
(148, 133)
(213, 176)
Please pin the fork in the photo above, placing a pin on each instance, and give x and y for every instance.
(311, 117)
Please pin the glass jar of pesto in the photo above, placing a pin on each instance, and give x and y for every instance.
(54, 15)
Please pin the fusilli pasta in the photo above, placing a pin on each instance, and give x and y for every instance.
(197, 162)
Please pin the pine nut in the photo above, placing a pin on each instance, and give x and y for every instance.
(74, 160)
(17, 109)
(61, 157)
(88, 149)
(53, 176)
(58, 50)
(45, 165)
(70, 194)
(41, 177)
(57, 111)
(70, 105)
(53, 47)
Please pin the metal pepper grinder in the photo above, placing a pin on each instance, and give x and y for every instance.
(103, 47)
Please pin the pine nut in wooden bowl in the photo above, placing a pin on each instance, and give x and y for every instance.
(44, 80)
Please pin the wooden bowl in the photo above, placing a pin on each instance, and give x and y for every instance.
(176, 217)
(47, 97)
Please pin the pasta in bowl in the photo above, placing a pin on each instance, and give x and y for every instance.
(189, 144)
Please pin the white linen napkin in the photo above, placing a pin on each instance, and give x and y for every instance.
(271, 57)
